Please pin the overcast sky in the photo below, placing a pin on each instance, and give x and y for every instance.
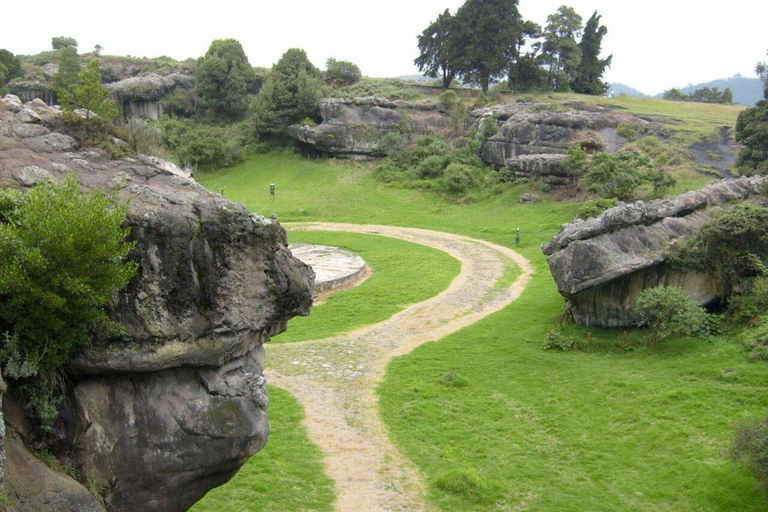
(655, 44)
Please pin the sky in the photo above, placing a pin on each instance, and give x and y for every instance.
(656, 45)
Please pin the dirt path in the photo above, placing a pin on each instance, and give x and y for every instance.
(335, 378)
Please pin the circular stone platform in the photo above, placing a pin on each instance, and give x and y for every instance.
(333, 267)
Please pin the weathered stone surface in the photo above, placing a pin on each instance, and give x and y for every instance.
(352, 128)
(142, 96)
(27, 115)
(26, 131)
(175, 408)
(533, 139)
(31, 486)
(11, 103)
(601, 265)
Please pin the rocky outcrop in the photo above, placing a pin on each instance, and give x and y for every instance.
(601, 265)
(142, 96)
(179, 403)
(353, 128)
(533, 139)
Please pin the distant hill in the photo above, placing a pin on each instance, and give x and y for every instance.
(746, 91)
(625, 90)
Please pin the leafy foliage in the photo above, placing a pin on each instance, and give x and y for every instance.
(224, 78)
(702, 95)
(619, 175)
(340, 73)
(438, 49)
(291, 92)
(89, 95)
(668, 311)
(201, 146)
(61, 42)
(595, 207)
(10, 67)
(561, 54)
(752, 132)
(62, 258)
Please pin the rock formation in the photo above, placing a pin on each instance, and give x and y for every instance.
(533, 139)
(601, 265)
(353, 128)
(142, 96)
(176, 407)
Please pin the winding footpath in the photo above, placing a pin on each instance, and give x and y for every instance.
(335, 378)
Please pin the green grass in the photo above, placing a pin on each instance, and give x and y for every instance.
(286, 476)
(403, 273)
(533, 429)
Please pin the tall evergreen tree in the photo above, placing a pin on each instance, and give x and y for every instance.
(590, 71)
(224, 78)
(560, 52)
(486, 30)
(291, 93)
(69, 69)
(438, 50)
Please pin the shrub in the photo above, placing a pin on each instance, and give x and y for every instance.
(557, 340)
(201, 146)
(448, 99)
(595, 207)
(394, 145)
(340, 73)
(62, 258)
(628, 131)
(750, 446)
(431, 167)
(458, 178)
(751, 304)
(668, 311)
(756, 342)
(142, 136)
(430, 145)
(617, 176)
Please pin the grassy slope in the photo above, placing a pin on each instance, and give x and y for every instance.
(286, 476)
(403, 273)
(545, 431)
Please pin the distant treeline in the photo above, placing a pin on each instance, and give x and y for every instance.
(486, 41)
(703, 95)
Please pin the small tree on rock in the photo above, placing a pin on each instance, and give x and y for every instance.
(340, 73)
(89, 95)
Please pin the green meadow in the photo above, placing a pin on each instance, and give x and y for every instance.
(615, 426)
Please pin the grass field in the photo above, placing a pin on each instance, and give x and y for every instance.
(403, 273)
(604, 429)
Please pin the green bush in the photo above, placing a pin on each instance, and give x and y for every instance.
(340, 73)
(628, 131)
(431, 167)
(458, 178)
(617, 175)
(595, 207)
(430, 145)
(668, 311)
(448, 99)
(62, 258)
(201, 146)
(395, 146)
(750, 446)
(142, 136)
(756, 341)
(752, 304)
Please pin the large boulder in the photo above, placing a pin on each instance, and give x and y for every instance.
(533, 138)
(178, 403)
(602, 264)
(142, 96)
(353, 128)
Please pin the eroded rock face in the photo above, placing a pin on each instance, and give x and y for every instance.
(601, 265)
(175, 408)
(352, 128)
(533, 139)
(142, 96)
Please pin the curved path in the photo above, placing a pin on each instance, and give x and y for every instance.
(335, 378)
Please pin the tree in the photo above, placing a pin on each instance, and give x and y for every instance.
(485, 30)
(61, 42)
(224, 78)
(438, 51)
(561, 53)
(752, 131)
(674, 95)
(291, 93)
(589, 72)
(524, 71)
(69, 68)
(62, 258)
(762, 71)
(10, 67)
(727, 96)
(341, 72)
(89, 95)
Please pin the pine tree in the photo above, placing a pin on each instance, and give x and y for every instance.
(224, 78)
(590, 71)
(560, 52)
